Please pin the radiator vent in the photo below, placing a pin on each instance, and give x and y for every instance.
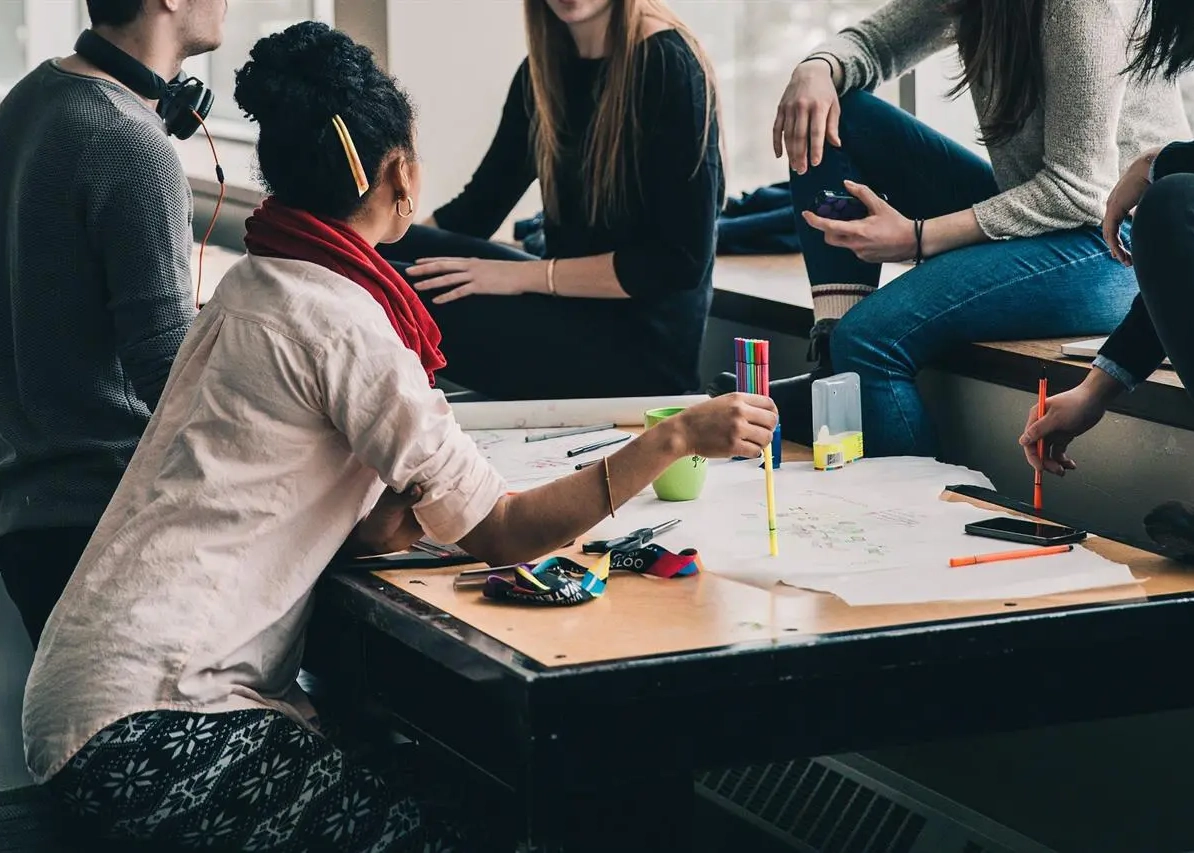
(818, 808)
(849, 804)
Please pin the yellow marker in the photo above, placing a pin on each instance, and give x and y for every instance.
(770, 477)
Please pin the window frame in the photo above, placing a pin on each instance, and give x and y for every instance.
(43, 26)
(47, 22)
(242, 130)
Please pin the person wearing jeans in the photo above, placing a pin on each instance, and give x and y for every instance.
(1010, 249)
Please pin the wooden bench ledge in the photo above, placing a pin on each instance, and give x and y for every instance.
(1049, 351)
(771, 293)
(1017, 364)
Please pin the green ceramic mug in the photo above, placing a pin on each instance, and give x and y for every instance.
(684, 478)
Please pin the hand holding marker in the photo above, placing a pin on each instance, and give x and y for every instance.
(752, 364)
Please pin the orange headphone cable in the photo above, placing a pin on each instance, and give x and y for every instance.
(219, 203)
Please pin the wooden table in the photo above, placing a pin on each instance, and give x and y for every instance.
(592, 719)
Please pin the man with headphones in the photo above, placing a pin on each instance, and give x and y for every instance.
(95, 282)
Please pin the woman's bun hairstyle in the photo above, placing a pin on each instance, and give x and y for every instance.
(293, 84)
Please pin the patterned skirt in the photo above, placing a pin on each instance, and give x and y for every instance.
(243, 780)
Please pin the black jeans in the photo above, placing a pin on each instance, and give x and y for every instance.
(1163, 255)
(35, 566)
(531, 347)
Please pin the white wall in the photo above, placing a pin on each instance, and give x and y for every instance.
(456, 58)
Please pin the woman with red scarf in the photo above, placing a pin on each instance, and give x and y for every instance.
(162, 705)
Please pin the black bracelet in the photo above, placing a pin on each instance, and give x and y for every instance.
(918, 226)
(824, 59)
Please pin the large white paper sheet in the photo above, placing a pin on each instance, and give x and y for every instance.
(525, 465)
(875, 532)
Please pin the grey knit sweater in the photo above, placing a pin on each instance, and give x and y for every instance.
(1093, 121)
(95, 242)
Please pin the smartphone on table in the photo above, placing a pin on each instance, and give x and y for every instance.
(1025, 530)
(839, 205)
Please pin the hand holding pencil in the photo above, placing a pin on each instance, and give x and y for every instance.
(1067, 416)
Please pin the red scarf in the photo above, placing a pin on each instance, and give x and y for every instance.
(278, 231)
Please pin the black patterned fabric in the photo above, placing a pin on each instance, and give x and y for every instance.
(244, 780)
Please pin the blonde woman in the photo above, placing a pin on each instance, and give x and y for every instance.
(614, 112)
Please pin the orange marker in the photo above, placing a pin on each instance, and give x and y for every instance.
(1038, 500)
(958, 562)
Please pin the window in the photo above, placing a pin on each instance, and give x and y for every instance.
(753, 48)
(753, 45)
(12, 40)
(247, 21)
(32, 31)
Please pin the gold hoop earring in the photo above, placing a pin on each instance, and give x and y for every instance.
(410, 211)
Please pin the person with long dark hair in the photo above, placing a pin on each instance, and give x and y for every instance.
(1157, 192)
(614, 112)
(1006, 250)
(162, 706)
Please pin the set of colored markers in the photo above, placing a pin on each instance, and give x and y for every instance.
(752, 365)
(752, 360)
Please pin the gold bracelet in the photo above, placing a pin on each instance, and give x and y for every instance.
(551, 277)
(609, 488)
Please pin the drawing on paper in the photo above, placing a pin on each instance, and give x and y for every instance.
(527, 464)
(487, 440)
(817, 528)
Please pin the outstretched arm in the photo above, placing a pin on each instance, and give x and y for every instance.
(375, 392)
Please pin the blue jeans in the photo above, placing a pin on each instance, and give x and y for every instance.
(1062, 284)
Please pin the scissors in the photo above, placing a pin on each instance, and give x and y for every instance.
(629, 542)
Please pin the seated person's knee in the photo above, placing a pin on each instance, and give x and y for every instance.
(1165, 205)
(856, 105)
(850, 343)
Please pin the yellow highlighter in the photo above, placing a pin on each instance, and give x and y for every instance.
(769, 474)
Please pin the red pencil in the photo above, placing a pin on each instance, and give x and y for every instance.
(1038, 500)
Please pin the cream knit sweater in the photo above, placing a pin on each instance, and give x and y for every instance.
(1057, 172)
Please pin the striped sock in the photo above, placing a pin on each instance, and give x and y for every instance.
(832, 301)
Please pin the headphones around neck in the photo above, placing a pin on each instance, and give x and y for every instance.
(178, 100)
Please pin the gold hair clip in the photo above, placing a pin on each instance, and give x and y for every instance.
(354, 160)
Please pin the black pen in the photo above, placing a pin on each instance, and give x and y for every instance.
(580, 466)
(589, 448)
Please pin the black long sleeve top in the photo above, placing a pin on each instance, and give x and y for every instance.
(663, 243)
(1134, 351)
